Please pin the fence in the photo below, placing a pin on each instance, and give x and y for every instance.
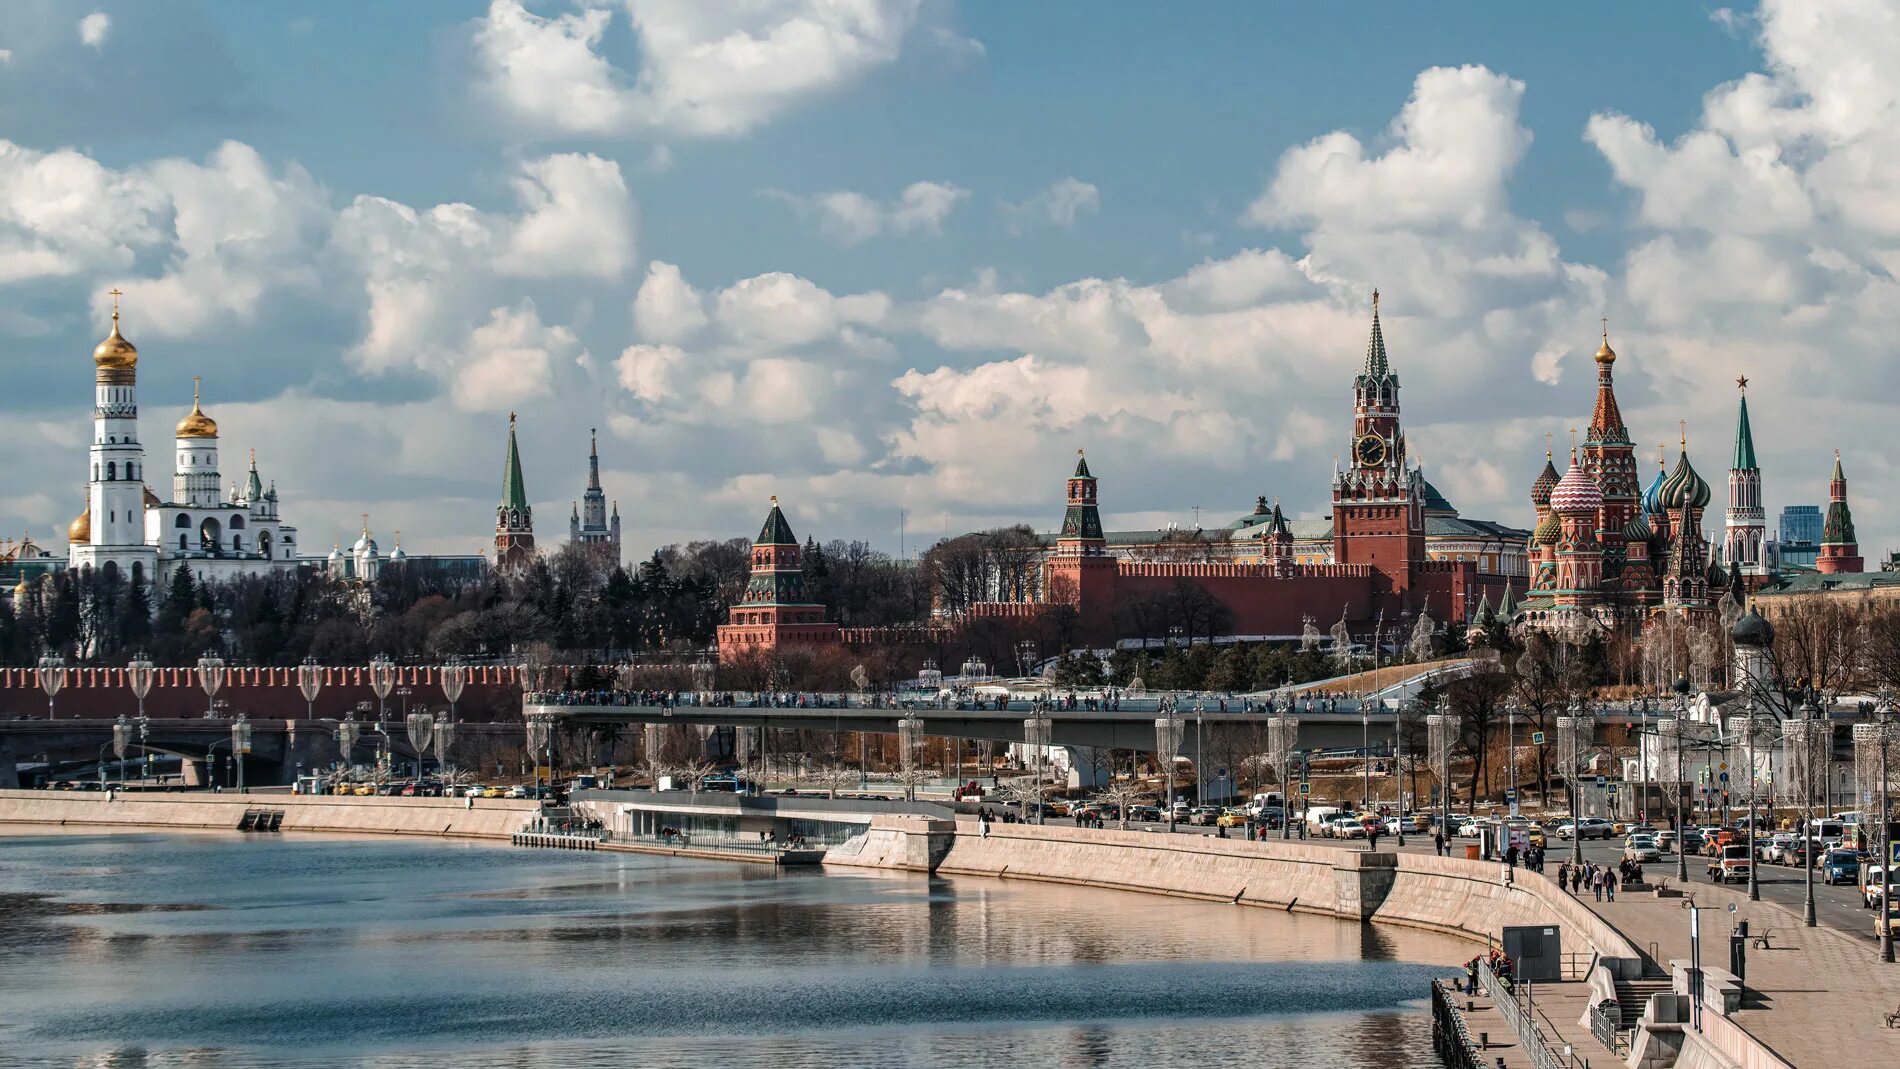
(1449, 1037)
(1518, 1016)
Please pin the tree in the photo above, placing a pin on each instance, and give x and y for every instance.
(1478, 698)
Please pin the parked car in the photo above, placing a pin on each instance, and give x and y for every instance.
(1233, 818)
(1887, 920)
(1346, 828)
(1203, 816)
(1870, 886)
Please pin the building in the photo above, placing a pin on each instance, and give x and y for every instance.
(1606, 556)
(514, 517)
(1799, 535)
(589, 525)
(127, 530)
(774, 610)
(1840, 547)
(1745, 546)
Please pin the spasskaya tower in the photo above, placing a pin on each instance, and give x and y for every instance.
(1378, 499)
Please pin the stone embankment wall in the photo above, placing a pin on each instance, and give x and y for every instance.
(490, 818)
(1453, 895)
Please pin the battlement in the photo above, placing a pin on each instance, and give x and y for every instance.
(1212, 570)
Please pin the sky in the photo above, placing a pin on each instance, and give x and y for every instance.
(895, 261)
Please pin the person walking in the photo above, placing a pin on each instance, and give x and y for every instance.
(1609, 885)
(1372, 839)
(1596, 885)
(1510, 857)
(1438, 842)
(1563, 877)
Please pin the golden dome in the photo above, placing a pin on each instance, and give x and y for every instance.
(197, 424)
(1606, 355)
(79, 532)
(115, 353)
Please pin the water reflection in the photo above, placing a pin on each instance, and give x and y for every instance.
(233, 952)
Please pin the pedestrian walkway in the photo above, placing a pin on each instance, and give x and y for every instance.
(1817, 996)
(1555, 1007)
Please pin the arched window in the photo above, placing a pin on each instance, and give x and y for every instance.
(112, 471)
(263, 543)
(237, 523)
(95, 473)
(181, 538)
(111, 571)
(237, 543)
(131, 470)
(183, 521)
(138, 572)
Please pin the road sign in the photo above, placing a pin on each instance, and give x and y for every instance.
(1723, 777)
(1510, 794)
(1306, 788)
(1601, 780)
(1220, 773)
(1537, 738)
(1724, 767)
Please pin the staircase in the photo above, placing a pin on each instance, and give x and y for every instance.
(1632, 997)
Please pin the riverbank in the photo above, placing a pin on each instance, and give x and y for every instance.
(485, 818)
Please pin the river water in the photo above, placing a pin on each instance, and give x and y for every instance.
(229, 952)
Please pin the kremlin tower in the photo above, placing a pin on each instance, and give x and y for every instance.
(1744, 539)
(514, 517)
(1840, 550)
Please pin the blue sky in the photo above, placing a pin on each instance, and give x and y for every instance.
(910, 254)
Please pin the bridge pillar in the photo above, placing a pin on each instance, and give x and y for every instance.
(9, 770)
(1084, 769)
(191, 770)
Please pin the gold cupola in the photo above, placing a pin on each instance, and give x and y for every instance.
(79, 532)
(115, 358)
(197, 424)
(1606, 355)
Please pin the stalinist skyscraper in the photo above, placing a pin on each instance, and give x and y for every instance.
(588, 524)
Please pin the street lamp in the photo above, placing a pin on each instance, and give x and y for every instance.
(139, 674)
(444, 738)
(382, 679)
(1365, 753)
(1873, 742)
(52, 674)
(419, 727)
(240, 745)
(121, 734)
(454, 678)
(1682, 786)
(1282, 732)
(540, 737)
(1809, 742)
(1168, 729)
(910, 735)
(1441, 731)
(309, 682)
(346, 732)
(1574, 733)
(210, 677)
(1036, 734)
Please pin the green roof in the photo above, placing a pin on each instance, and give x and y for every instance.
(1081, 467)
(514, 489)
(1376, 366)
(776, 531)
(1744, 440)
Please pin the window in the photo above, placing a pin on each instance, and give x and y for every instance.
(237, 542)
(112, 471)
(181, 538)
(237, 523)
(183, 521)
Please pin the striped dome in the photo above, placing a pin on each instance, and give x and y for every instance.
(1652, 497)
(1684, 488)
(1546, 482)
(1548, 531)
(1638, 530)
(1577, 492)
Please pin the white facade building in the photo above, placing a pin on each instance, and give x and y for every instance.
(126, 529)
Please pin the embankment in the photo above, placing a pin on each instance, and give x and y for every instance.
(488, 818)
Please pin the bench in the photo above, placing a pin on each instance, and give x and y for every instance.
(1760, 942)
(1893, 1019)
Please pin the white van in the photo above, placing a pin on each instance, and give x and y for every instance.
(1320, 815)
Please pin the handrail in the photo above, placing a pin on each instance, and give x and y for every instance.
(1518, 1017)
(1449, 1036)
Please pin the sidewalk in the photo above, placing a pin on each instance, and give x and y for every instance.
(1819, 997)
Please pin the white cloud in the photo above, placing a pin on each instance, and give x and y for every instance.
(578, 221)
(1063, 203)
(702, 69)
(650, 372)
(850, 217)
(784, 310)
(668, 308)
(511, 359)
(94, 28)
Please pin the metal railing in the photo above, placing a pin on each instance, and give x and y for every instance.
(1449, 1036)
(728, 846)
(1518, 1016)
(1607, 1030)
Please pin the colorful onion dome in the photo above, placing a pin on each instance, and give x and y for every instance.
(1546, 482)
(1576, 491)
(1652, 496)
(1548, 530)
(1638, 530)
(1684, 488)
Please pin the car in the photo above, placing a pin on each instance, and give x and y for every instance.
(364, 790)
(1769, 849)
(1565, 831)
(1640, 848)
(1233, 818)
(1375, 826)
(1471, 829)
(1593, 828)
(520, 790)
(1839, 866)
(494, 792)
(1666, 841)
(1890, 920)
(1145, 814)
(1870, 890)
(1346, 828)
(1690, 841)
(1732, 866)
(1203, 815)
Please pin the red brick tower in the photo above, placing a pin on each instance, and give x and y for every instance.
(1840, 549)
(1081, 572)
(1609, 458)
(514, 518)
(774, 611)
(1378, 514)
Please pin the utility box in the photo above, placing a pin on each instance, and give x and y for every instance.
(1536, 950)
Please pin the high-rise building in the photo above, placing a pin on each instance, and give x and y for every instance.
(1800, 535)
(589, 524)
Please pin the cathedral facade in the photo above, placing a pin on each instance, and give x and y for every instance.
(127, 530)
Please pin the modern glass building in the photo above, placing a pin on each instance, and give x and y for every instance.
(1800, 535)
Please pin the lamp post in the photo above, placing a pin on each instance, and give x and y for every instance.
(1398, 765)
(52, 673)
(211, 678)
(1809, 739)
(1282, 732)
(1682, 710)
(309, 683)
(910, 735)
(1572, 732)
(444, 738)
(1036, 733)
(139, 674)
(346, 732)
(1167, 744)
(419, 727)
(1441, 729)
(1365, 754)
(240, 745)
(454, 678)
(121, 734)
(1872, 741)
(382, 680)
(1510, 737)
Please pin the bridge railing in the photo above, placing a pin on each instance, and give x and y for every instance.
(1185, 704)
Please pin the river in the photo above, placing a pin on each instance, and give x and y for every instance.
(219, 951)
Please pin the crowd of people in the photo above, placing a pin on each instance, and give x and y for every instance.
(1601, 880)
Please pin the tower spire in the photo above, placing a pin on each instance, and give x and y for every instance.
(1376, 364)
(1840, 547)
(514, 490)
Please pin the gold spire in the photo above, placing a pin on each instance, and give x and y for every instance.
(115, 353)
(197, 424)
(1682, 425)
(1548, 446)
(775, 501)
(1606, 355)
(365, 524)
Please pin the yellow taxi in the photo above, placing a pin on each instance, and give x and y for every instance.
(1233, 818)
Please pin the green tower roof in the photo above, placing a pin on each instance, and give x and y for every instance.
(776, 531)
(514, 489)
(1744, 440)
